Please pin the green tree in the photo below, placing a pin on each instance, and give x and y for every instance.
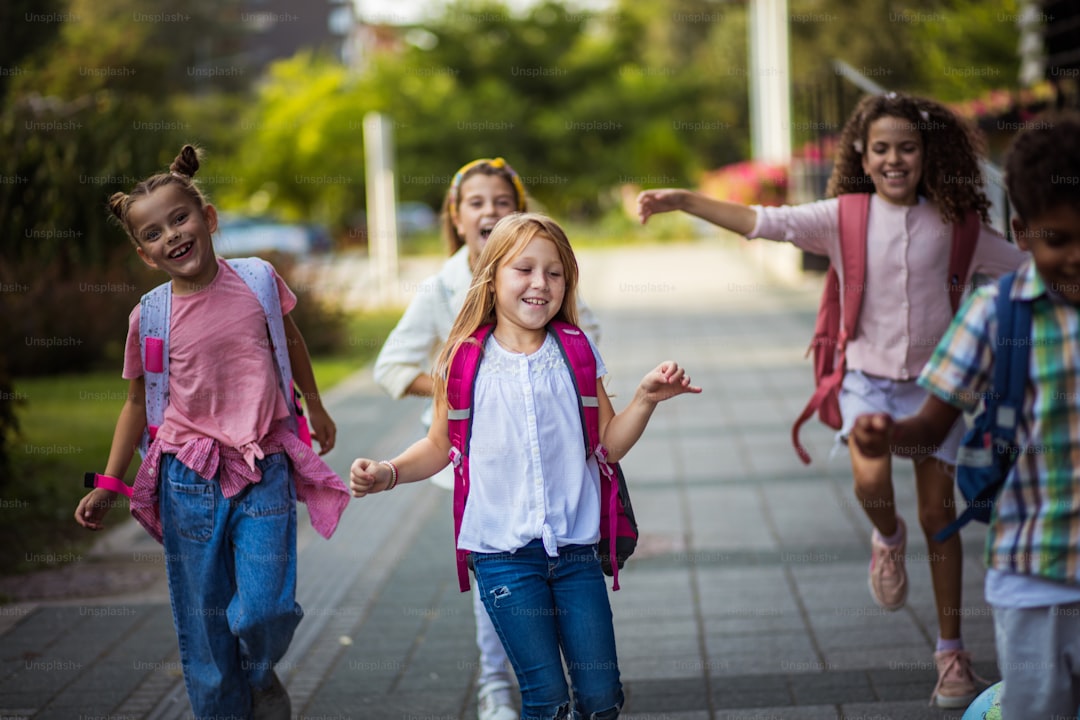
(93, 109)
(577, 102)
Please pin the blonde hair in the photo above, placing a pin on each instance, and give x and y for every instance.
(510, 236)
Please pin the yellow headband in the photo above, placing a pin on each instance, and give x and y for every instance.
(497, 163)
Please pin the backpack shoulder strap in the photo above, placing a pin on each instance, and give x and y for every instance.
(1004, 401)
(964, 239)
(155, 314)
(461, 377)
(258, 275)
(578, 354)
(460, 383)
(1010, 364)
(854, 221)
(838, 312)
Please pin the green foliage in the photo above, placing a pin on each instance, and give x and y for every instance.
(971, 49)
(575, 101)
(66, 430)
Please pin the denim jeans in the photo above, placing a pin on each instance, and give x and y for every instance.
(541, 606)
(232, 580)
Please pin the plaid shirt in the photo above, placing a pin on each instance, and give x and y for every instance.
(1035, 528)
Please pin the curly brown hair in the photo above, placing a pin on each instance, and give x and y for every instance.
(1042, 167)
(181, 172)
(951, 177)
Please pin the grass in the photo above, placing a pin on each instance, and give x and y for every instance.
(364, 335)
(66, 427)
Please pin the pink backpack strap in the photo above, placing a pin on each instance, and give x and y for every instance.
(578, 354)
(854, 220)
(854, 215)
(460, 381)
(965, 238)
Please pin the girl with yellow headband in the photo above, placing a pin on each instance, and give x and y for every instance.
(481, 193)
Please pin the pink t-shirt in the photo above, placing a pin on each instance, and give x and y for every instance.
(905, 305)
(222, 377)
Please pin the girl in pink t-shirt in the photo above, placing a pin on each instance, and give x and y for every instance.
(920, 163)
(219, 483)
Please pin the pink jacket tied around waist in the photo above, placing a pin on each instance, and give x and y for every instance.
(317, 485)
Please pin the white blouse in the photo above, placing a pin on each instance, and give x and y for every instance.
(528, 474)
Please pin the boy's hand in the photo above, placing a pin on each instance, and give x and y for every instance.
(652, 202)
(666, 381)
(872, 434)
(323, 428)
(93, 508)
(365, 475)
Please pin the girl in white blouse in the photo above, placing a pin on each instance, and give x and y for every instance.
(532, 519)
(481, 193)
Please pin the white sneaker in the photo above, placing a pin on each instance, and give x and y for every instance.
(495, 703)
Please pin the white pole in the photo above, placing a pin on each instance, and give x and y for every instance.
(381, 205)
(770, 81)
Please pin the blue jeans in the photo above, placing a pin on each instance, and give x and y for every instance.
(541, 606)
(232, 579)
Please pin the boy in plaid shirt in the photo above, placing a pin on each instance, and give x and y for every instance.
(1033, 546)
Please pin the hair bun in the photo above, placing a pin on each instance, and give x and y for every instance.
(187, 162)
(117, 201)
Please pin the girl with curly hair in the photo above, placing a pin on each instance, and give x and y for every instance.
(919, 163)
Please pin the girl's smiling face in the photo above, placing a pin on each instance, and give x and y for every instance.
(173, 234)
(893, 158)
(483, 201)
(530, 286)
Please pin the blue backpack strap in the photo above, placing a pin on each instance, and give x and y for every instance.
(1011, 374)
(460, 384)
(258, 275)
(155, 313)
(995, 428)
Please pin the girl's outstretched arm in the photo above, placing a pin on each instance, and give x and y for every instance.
(618, 433)
(732, 216)
(129, 429)
(323, 428)
(421, 460)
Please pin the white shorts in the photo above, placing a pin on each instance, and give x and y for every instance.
(861, 393)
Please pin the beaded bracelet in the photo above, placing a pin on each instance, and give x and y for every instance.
(393, 474)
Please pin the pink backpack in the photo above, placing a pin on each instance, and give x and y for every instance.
(618, 528)
(837, 319)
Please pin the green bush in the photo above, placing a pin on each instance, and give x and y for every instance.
(60, 318)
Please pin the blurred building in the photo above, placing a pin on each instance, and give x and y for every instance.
(277, 29)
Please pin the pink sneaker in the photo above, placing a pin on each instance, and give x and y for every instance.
(956, 680)
(888, 578)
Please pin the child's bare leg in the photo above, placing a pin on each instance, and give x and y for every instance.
(874, 490)
(937, 508)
